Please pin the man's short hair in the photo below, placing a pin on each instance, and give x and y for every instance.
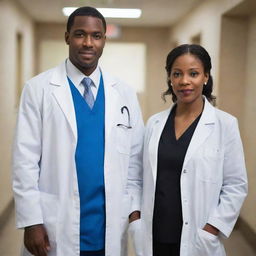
(85, 11)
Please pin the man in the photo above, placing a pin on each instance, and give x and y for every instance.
(77, 152)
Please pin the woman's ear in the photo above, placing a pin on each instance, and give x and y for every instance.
(206, 78)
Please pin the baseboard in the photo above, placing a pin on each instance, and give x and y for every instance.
(248, 233)
(6, 213)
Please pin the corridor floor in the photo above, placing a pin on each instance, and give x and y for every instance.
(11, 239)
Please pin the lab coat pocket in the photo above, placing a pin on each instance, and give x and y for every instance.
(210, 165)
(135, 231)
(212, 153)
(53, 250)
(207, 244)
(123, 139)
(49, 204)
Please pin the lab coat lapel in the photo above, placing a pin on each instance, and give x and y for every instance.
(63, 96)
(202, 131)
(157, 129)
(111, 103)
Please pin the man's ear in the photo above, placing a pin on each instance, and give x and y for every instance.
(67, 37)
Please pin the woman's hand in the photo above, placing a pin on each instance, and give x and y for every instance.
(211, 229)
(134, 216)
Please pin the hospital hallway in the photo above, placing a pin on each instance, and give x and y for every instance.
(32, 41)
(11, 239)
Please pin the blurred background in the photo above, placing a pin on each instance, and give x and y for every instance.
(32, 40)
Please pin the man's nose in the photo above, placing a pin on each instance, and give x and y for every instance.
(87, 41)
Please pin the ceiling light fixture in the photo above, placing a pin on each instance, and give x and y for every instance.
(110, 12)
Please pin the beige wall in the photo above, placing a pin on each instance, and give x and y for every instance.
(12, 21)
(45, 32)
(249, 122)
(233, 65)
(205, 22)
(237, 87)
(157, 50)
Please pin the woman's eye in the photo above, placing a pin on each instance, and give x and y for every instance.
(194, 74)
(176, 74)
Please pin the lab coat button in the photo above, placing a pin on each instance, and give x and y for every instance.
(184, 171)
(186, 223)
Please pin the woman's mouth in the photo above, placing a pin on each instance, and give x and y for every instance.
(186, 92)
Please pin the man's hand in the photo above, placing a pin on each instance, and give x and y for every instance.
(36, 240)
(134, 216)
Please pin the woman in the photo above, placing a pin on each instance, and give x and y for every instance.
(194, 172)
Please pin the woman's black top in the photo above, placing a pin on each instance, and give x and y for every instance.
(167, 218)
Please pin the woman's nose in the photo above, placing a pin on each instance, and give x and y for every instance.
(184, 80)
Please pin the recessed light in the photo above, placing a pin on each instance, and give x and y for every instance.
(110, 12)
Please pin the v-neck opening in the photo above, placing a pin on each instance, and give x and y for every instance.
(189, 129)
(91, 110)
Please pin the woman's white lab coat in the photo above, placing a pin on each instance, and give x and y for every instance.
(44, 173)
(213, 181)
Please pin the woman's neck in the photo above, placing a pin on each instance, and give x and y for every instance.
(191, 109)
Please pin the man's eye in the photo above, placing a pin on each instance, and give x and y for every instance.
(79, 34)
(97, 36)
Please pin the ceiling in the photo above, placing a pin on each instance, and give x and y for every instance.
(154, 12)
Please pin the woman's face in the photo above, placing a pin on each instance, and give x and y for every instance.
(188, 78)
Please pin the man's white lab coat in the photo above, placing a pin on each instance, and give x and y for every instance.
(44, 171)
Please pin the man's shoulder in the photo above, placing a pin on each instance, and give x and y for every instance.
(44, 77)
(118, 83)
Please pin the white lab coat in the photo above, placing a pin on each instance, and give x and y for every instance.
(213, 181)
(44, 173)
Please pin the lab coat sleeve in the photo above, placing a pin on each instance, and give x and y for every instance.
(134, 181)
(234, 187)
(26, 160)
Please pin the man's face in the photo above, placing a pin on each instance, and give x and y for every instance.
(86, 41)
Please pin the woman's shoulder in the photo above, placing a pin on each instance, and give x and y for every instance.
(222, 116)
(225, 116)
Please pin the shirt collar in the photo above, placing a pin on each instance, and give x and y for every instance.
(77, 76)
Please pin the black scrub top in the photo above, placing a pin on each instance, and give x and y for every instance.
(167, 217)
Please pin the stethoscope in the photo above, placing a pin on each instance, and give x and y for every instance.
(128, 115)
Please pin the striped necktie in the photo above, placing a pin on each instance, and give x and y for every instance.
(88, 96)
